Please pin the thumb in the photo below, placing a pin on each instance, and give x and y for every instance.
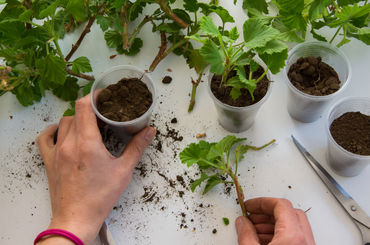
(136, 147)
(247, 234)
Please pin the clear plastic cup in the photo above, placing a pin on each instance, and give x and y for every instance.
(341, 161)
(305, 107)
(123, 130)
(238, 119)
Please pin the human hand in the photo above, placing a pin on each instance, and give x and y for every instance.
(85, 180)
(273, 221)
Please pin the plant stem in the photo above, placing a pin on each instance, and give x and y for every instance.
(259, 79)
(261, 147)
(239, 192)
(87, 77)
(83, 34)
(194, 89)
(336, 33)
(172, 15)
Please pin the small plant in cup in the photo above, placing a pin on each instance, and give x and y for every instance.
(217, 155)
(221, 50)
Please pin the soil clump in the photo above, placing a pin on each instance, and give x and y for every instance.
(245, 99)
(124, 101)
(314, 77)
(352, 132)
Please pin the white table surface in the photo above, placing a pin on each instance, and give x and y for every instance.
(278, 171)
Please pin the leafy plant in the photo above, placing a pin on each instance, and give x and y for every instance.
(29, 45)
(221, 50)
(217, 155)
(295, 18)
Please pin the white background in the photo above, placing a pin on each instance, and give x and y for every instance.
(278, 171)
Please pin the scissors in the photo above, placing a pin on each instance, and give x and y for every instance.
(360, 218)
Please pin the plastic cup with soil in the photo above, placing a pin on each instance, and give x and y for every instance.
(124, 97)
(315, 73)
(238, 115)
(348, 132)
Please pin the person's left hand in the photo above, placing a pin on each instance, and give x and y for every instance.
(85, 180)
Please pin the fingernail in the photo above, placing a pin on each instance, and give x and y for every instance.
(149, 135)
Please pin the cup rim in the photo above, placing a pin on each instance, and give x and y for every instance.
(327, 126)
(127, 123)
(315, 97)
(250, 107)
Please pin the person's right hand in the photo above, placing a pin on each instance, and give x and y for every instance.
(273, 221)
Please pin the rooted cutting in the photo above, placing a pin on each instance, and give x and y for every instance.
(124, 101)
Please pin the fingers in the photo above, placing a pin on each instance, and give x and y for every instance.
(305, 226)
(45, 141)
(247, 234)
(86, 123)
(136, 147)
(64, 125)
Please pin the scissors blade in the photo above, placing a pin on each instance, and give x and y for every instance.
(353, 209)
(105, 236)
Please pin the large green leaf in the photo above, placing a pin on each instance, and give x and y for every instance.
(224, 15)
(208, 27)
(256, 34)
(273, 46)
(255, 13)
(50, 10)
(240, 151)
(317, 8)
(190, 154)
(342, 3)
(294, 20)
(295, 6)
(275, 61)
(81, 65)
(69, 90)
(223, 146)
(103, 22)
(134, 49)
(52, 68)
(76, 8)
(191, 5)
(260, 5)
(113, 38)
(348, 13)
(212, 182)
(364, 35)
(212, 55)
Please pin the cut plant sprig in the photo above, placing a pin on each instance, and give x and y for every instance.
(224, 55)
(217, 155)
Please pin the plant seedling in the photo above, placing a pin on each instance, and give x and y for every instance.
(221, 50)
(216, 155)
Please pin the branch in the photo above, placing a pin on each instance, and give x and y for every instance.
(83, 34)
(240, 193)
(125, 34)
(172, 15)
(28, 5)
(194, 89)
(161, 51)
(87, 77)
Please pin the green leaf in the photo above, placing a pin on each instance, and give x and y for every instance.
(295, 6)
(223, 146)
(342, 3)
(199, 181)
(81, 65)
(234, 34)
(273, 46)
(317, 8)
(317, 36)
(196, 61)
(212, 55)
(76, 8)
(256, 34)
(224, 15)
(242, 58)
(198, 38)
(26, 16)
(11, 32)
(212, 182)
(226, 221)
(191, 5)
(69, 90)
(240, 151)
(135, 10)
(260, 5)
(113, 38)
(344, 41)
(348, 13)
(87, 88)
(250, 85)
(294, 20)
(364, 35)
(256, 14)
(290, 36)
(190, 154)
(208, 27)
(70, 112)
(52, 68)
(50, 10)
(103, 22)
(134, 49)
(275, 61)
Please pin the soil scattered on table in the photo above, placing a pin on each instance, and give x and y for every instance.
(352, 132)
(245, 99)
(124, 101)
(314, 77)
(167, 80)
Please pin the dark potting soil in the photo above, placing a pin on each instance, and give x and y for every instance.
(352, 132)
(126, 100)
(245, 99)
(312, 76)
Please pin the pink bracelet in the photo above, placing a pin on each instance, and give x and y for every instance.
(59, 232)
